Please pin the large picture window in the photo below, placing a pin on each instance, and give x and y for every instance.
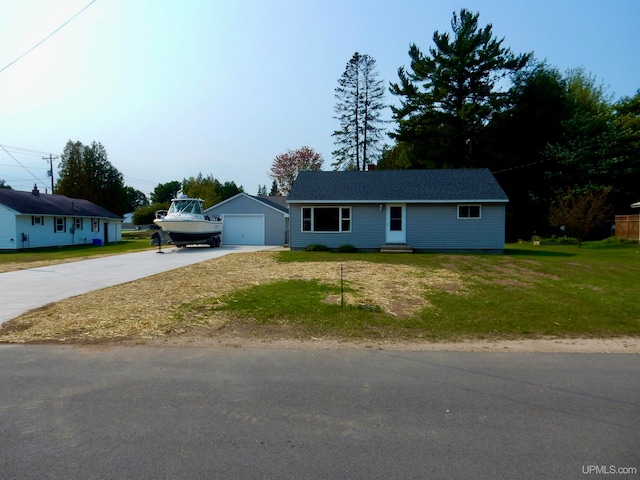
(326, 219)
(469, 211)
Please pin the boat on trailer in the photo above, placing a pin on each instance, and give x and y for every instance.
(186, 223)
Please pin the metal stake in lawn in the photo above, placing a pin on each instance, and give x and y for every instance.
(341, 288)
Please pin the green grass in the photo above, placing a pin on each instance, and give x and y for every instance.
(131, 241)
(530, 291)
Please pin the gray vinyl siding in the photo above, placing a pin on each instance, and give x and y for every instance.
(367, 229)
(275, 222)
(437, 227)
(428, 227)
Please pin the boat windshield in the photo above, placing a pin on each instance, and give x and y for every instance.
(185, 207)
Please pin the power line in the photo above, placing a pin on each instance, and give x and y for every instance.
(523, 166)
(46, 38)
(19, 163)
(24, 151)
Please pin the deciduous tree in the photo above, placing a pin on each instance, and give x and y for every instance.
(165, 192)
(135, 199)
(286, 166)
(577, 212)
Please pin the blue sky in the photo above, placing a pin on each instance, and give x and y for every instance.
(172, 88)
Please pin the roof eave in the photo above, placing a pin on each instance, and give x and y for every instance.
(452, 200)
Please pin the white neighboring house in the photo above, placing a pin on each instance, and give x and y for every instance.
(33, 220)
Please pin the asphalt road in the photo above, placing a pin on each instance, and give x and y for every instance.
(208, 413)
(24, 290)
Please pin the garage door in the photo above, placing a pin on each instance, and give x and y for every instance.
(243, 230)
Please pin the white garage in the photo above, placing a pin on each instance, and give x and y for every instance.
(244, 229)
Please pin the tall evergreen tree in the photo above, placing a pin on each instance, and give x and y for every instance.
(450, 95)
(360, 100)
(85, 172)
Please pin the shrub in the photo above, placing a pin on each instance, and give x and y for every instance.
(347, 249)
(317, 247)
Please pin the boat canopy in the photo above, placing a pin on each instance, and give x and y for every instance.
(186, 206)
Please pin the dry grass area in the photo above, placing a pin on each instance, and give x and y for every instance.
(144, 310)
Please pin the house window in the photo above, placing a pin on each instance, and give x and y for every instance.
(37, 220)
(326, 219)
(395, 219)
(95, 225)
(469, 211)
(78, 223)
(60, 224)
(306, 219)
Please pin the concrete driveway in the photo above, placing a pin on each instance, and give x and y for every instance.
(24, 290)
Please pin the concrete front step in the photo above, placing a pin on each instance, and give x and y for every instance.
(396, 248)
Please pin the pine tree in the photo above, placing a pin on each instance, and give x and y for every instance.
(274, 189)
(360, 97)
(85, 172)
(451, 94)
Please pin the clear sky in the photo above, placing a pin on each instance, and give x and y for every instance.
(172, 88)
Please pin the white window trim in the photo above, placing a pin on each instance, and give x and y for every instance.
(59, 224)
(479, 217)
(340, 219)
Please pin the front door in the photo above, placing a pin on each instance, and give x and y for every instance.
(396, 224)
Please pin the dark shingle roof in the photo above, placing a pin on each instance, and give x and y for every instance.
(43, 204)
(276, 201)
(397, 185)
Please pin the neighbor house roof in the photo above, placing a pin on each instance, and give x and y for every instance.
(29, 203)
(432, 186)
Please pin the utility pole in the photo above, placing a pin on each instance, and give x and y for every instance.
(51, 158)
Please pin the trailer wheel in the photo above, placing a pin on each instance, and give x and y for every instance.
(217, 241)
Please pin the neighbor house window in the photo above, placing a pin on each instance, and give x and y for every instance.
(469, 211)
(37, 220)
(326, 219)
(95, 225)
(60, 224)
(78, 223)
